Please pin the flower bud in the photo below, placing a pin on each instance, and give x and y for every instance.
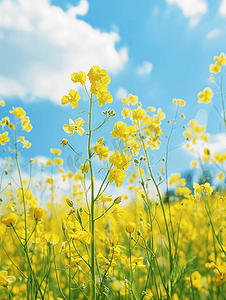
(130, 227)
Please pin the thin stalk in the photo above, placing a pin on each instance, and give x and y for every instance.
(92, 212)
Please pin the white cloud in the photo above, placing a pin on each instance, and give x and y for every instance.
(217, 144)
(222, 9)
(192, 9)
(121, 93)
(213, 33)
(145, 69)
(41, 45)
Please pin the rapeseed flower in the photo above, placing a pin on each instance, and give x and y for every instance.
(73, 98)
(205, 96)
(40, 213)
(55, 151)
(5, 279)
(9, 219)
(19, 112)
(117, 175)
(120, 130)
(4, 138)
(79, 77)
(2, 103)
(100, 150)
(77, 126)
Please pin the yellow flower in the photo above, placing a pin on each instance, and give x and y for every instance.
(9, 219)
(85, 168)
(117, 175)
(4, 121)
(220, 271)
(205, 96)
(55, 151)
(151, 109)
(73, 98)
(40, 213)
(95, 74)
(52, 238)
(2, 103)
(221, 60)
(79, 77)
(103, 199)
(77, 126)
(101, 151)
(64, 142)
(4, 138)
(130, 227)
(125, 101)
(104, 97)
(58, 161)
(132, 99)
(120, 160)
(49, 162)
(5, 279)
(126, 112)
(193, 164)
(221, 176)
(120, 130)
(11, 125)
(10, 206)
(19, 112)
(82, 236)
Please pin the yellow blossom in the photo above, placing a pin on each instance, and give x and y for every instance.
(85, 168)
(95, 74)
(40, 213)
(9, 219)
(130, 227)
(205, 96)
(120, 130)
(117, 175)
(2, 103)
(132, 99)
(5, 279)
(101, 151)
(55, 151)
(58, 161)
(73, 98)
(64, 142)
(193, 164)
(52, 238)
(19, 112)
(77, 126)
(79, 77)
(4, 138)
(103, 198)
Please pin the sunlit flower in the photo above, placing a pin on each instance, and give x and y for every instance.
(77, 126)
(205, 96)
(52, 238)
(5, 279)
(73, 98)
(55, 151)
(117, 175)
(4, 138)
(40, 213)
(9, 219)
(19, 112)
(79, 77)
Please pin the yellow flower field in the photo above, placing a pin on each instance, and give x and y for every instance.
(160, 239)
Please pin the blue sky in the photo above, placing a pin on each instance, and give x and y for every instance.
(157, 50)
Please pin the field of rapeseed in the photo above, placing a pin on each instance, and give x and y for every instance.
(158, 240)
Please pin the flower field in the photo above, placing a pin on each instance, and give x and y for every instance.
(159, 239)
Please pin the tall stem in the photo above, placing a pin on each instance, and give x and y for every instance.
(92, 212)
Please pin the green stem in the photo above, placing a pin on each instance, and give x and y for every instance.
(92, 212)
